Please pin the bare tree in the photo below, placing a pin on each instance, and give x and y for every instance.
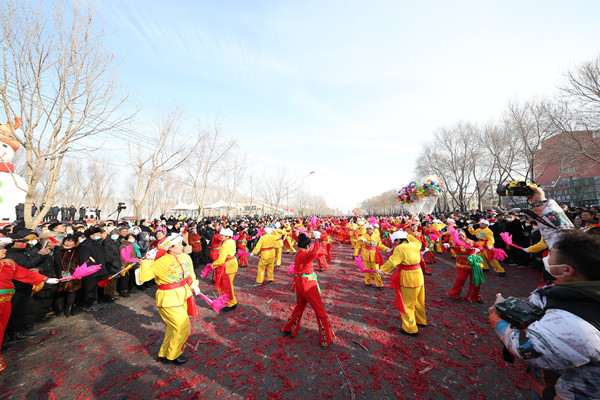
(169, 151)
(529, 125)
(452, 156)
(207, 160)
(235, 170)
(57, 77)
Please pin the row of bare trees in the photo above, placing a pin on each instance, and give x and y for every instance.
(472, 159)
(58, 78)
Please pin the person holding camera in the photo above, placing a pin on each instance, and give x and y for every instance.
(562, 347)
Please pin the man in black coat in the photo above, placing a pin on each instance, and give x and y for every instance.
(51, 267)
(91, 251)
(20, 211)
(110, 246)
(72, 212)
(82, 213)
(23, 253)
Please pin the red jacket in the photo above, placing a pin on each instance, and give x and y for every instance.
(195, 241)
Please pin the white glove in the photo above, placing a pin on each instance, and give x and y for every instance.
(364, 240)
(447, 245)
(470, 226)
(489, 247)
(388, 250)
(51, 281)
(151, 254)
(499, 298)
(526, 250)
(380, 272)
(317, 235)
(476, 251)
(196, 291)
(427, 249)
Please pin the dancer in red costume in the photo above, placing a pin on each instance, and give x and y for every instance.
(241, 243)
(468, 266)
(414, 231)
(308, 291)
(9, 270)
(323, 240)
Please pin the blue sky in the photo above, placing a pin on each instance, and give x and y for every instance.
(349, 89)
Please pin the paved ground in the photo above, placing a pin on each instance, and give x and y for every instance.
(112, 354)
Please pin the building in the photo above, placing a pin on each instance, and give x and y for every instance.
(566, 174)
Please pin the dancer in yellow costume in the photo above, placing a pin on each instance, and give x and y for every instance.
(266, 246)
(226, 267)
(174, 275)
(367, 245)
(278, 233)
(407, 281)
(485, 238)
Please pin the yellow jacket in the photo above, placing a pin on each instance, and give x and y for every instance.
(539, 246)
(370, 241)
(278, 241)
(228, 250)
(406, 254)
(170, 269)
(265, 242)
(485, 237)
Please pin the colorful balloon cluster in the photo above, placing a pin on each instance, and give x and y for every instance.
(417, 190)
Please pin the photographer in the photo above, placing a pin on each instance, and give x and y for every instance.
(562, 348)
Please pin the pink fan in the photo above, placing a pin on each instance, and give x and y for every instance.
(125, 255)
(235, 238)
(360, 264)
(81, 271)
(291, 269)
(206, 271)
(242, 253)
(507, 237)
(459, 242)
(498, 254)
(216, 304)
(434, 237)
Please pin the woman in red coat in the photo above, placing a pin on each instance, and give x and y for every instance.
(308, 291)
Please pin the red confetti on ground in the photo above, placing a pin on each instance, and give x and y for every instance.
(112, 354)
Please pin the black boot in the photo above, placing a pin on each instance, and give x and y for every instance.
(69, 310)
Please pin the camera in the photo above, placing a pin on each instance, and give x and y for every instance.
(516, 188)
(121, 206)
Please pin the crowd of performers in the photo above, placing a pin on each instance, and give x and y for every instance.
(171, 252)
(167, 252)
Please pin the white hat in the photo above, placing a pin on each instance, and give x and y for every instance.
(360, 222)
(484, 221)
(368, 226)
(437, 221)
(170, 241)
(399, 235)
(5, 241)
(226, 232)
(376, 225)
(268, 230)
(450, 221)
(277, 224)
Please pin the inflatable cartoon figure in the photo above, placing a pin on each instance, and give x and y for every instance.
(11, 186)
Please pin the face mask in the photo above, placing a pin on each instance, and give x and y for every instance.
(510, 219)
(33, 242)
(547, 266)
(114, 237)
(81, 239)
(526, 224)
(96, 237)
(131, 240)
(70, 232)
